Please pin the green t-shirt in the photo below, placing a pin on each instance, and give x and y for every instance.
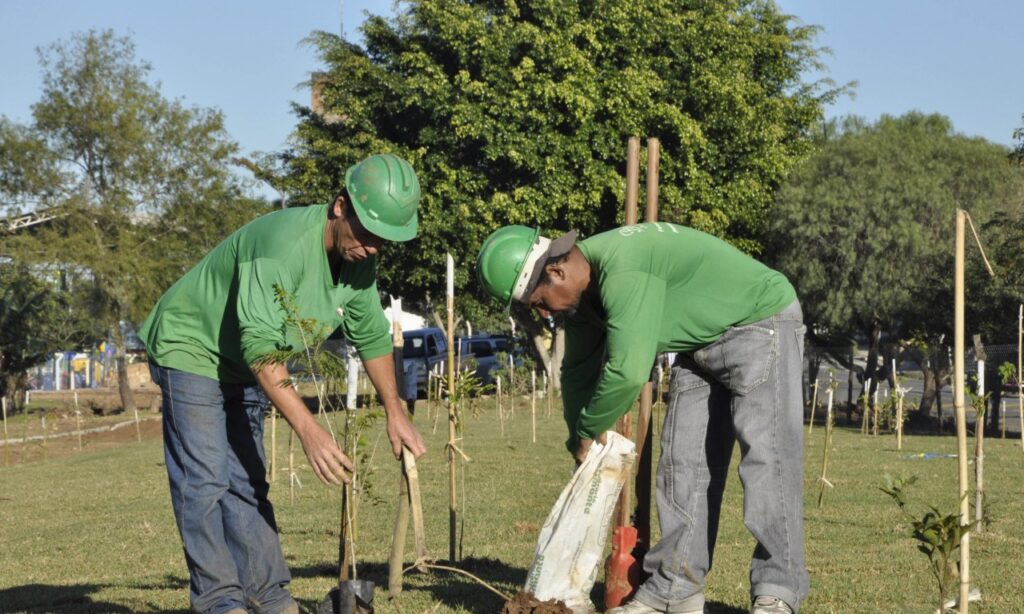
(663, 288)
(222, 315)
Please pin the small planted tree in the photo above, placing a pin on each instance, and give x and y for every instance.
(328, 373)
(938, 535)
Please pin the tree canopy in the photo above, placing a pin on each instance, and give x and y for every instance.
(141, 184)
(519, 112)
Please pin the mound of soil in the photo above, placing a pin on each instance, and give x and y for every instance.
(525, 603)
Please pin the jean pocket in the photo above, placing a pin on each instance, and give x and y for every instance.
(749, 355)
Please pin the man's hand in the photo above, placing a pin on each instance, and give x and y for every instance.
(584, 447)
(402, 432)
(329, 463)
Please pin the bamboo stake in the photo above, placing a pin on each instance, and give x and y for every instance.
(899, 419)
(1002, 419)
(42, 420)
(78, 422)
(497, 398)
(3, 402)
(824, 453)
(511, 386)
(866, 412)
(273, 443)
(533, 406)
(398, 537)
(138, 426)
(814, 405)
(958, 406)
(876, 411)
(979, 450)
(452, 469)
(291, 466)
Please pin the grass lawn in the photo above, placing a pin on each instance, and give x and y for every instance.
(92, 531)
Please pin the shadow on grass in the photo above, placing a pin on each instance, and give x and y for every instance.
(453, 589)
(40, 598)
(450, 588)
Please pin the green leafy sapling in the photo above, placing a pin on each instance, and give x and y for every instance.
(938, 535)
(304, 353)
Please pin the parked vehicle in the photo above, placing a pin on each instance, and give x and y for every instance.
(424, 349)
(484, 348)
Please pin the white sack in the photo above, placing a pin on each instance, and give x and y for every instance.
(572, 540)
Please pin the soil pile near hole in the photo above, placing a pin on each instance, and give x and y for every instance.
(525, 603)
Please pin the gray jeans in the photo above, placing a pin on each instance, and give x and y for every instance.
(744, 387)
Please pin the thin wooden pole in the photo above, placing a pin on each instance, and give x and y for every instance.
(7, 442)
(867, 410)
(497, 399)
(533, 407)
(452, 485)
(824, 453)
(78, 422)
(961, 417)
(899, 419)
(1020, 373)
(291, 466)
(273, 443)
(979, 449)
(875, 411)
(1002, 419)
(814, 405)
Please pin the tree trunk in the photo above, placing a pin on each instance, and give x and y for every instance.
(871, 368)
(127, 397)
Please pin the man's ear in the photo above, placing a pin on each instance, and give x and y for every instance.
(338, 206)
(555, 271)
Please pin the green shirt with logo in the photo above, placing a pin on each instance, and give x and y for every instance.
(223, 315)
(662, 288)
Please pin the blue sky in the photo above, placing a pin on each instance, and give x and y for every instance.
(246, 57)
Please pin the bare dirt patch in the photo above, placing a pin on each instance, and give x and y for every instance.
(525, 603)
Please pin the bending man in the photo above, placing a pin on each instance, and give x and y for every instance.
(633, 292)
(204, 337)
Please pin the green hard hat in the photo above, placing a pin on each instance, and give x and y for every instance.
(385, 193)
(499, 265)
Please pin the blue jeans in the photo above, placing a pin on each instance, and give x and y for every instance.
(213, 447)
(745, 387)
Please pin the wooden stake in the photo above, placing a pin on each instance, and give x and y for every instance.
(876, 411)
(1002, 419)
(291, 466)
(78, 423)
(533, 406)
(7, 443)
(824, 453)
(1020, 373)
(979, 451)
(452, 494)
(814, 405)
(273, 443)
(497, 397)
(866, 412)
(899, 419)
(138, 426)
(958, 406)
(511, 386)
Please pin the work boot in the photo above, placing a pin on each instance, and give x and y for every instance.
(766, 604)
(636, 607)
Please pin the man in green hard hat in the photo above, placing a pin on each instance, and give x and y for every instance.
(206, 337)
(633, 292)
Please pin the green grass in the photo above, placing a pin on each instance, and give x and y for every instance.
(92, 531)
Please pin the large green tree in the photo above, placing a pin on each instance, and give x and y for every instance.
(518, 112)
(865, 230)
(141, 184)
(40, 313)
